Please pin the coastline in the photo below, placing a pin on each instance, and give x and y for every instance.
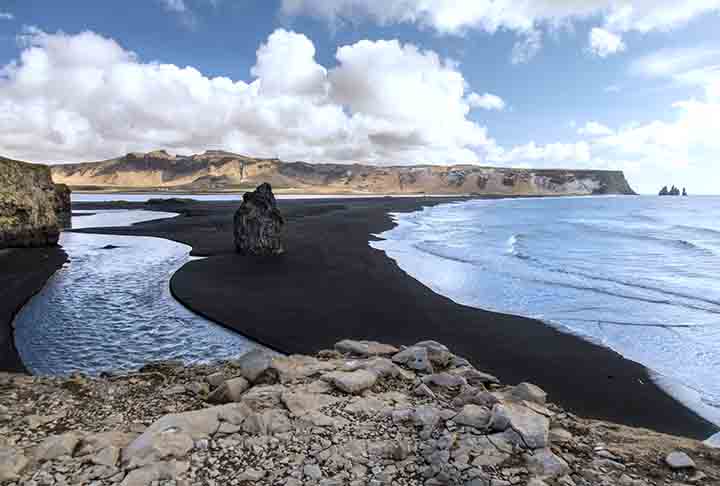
(23, 273)
(332, 284)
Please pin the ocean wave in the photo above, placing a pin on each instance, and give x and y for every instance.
(424, 247)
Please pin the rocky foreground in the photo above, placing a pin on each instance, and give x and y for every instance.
(361, 414)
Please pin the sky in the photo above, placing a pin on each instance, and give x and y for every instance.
(602, 84)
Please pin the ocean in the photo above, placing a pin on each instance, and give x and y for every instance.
(636, 274)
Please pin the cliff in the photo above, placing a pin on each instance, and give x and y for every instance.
(363, 413)
(219, 171)
(29, 205)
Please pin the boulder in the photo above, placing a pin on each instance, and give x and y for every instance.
(28, 205)
(255, 366)
(529, 392)
(473, 416)
(679, 460)
(354, 382)
(415, 358)
(56, 446)
(259, 224)
(365, 348)
(545, 464)
(230, 391)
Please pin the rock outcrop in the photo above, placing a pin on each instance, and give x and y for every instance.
(357, 415)
(217, 170)
(259, 224)
(29, 204)
(63, 205)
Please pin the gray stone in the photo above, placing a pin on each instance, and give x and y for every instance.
(300, 403)
(353, 382)
(230, 391)
(264, 396)
(215, 379)
(415, 358)
(473, 416)
(438, 353)
(544, 463)
(529, 392)
(298, 367)
(12, 463)
(365, 348)
(312, 471)
(533, 428)
(93, 443)
(166, 445)
(255, 365)
(106, 457)
(56, 446)
(679, 460)
(447, 381)
(145, 476)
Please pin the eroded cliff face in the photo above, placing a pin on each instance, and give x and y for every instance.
(217, 170)
(28, 205)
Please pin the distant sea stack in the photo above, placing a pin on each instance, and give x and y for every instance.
(673, 191)
(31, 206)
(215, 171)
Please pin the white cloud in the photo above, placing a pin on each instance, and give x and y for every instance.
(613, 88)
(486, 101)
(594, 129)
(83, 97)
(6, 16)
(671, 62)
(527, 48)
(175, 5)
(553, 155)
(604, 43)
(523, 17)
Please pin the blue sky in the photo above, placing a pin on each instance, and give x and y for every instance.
(645, 87)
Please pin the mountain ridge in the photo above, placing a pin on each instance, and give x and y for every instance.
(217, 170)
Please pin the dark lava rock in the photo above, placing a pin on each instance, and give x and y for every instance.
(259, 224)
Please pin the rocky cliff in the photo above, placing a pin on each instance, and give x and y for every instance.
(217, 171)
(29, 204)
(362, 414)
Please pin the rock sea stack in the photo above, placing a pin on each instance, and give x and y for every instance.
(346, 416)
(259, 224)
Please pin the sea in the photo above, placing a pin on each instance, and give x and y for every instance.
(639, 275)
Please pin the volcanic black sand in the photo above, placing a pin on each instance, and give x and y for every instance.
(331, 285)
(23, 273)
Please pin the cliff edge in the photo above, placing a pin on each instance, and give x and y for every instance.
(30, 205)
(225, 171)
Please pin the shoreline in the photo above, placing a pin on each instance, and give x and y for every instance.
(25, 271)
(333, 284)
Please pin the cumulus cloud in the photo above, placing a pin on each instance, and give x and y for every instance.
(455, 18)
(486, 101)
(6, 16)
(550, 155)
(83, 97)
(604, 43)
(594, 129)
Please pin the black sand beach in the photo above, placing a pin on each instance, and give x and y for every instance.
(331, 285)
(23, 273)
